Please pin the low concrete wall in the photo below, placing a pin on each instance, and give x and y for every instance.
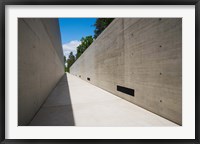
(144, 54)
(40, 64)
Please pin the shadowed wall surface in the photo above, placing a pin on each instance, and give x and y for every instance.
(40, 64)
(142, 54)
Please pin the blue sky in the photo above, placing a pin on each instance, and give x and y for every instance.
(72, 30)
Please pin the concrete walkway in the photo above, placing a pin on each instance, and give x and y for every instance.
(75, 102)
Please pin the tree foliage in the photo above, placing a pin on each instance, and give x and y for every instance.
(65, 60)
(85, 43)
(100, 25)
(71, 59)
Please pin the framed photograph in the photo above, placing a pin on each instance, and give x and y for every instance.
(99, 71)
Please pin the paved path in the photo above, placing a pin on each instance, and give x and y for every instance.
(75, 102)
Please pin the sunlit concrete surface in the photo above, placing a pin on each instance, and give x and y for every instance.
(75, 102)
(143, 54)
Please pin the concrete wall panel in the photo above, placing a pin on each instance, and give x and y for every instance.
(40, 64)
(144, 54)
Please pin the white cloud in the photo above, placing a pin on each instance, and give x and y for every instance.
(70, 47)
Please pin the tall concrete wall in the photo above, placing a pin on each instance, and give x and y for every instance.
(40, 64)
(144, 54)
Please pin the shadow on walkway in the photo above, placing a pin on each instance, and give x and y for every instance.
(57, 109)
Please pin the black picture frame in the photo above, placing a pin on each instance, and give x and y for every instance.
(98, 2)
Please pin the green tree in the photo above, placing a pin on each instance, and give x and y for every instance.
(71, 59)
(65, 61)
(85, 43)
(100, 25)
